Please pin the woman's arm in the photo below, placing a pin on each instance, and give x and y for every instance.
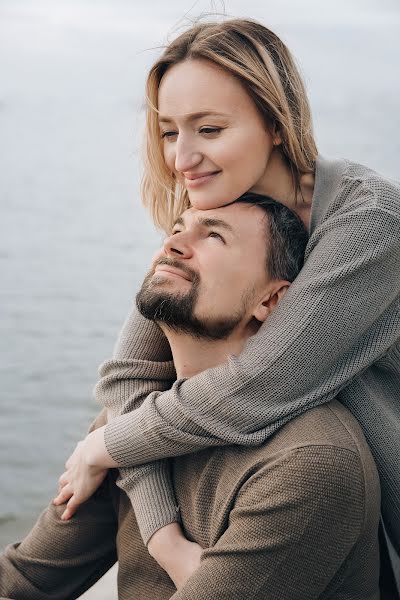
(339, 316)
(144, 361)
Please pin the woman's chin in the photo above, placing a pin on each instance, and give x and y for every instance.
(208, 201)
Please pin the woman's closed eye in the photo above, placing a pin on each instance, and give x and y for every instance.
(207, 131)
(168, 134)
(210, 130)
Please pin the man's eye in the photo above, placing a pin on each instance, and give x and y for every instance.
(175, 231)
(218, 236)
(210, 130)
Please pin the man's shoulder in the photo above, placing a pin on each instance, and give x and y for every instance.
(329, 424)
(323, 451)
(326, 438)
(325, 431)
(318, 463)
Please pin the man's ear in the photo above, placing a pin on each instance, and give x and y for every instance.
(275, 292)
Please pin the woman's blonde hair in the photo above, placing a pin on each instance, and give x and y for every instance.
(265, 67)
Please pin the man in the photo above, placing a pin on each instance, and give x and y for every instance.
(294, 519)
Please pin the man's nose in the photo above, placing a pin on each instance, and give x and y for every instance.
(178, 245)
(187, 156)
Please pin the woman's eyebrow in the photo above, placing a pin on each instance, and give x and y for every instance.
(193, 116)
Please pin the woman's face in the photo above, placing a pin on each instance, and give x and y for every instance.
(214, 139)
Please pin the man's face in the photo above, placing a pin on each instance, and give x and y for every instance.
(210, 273)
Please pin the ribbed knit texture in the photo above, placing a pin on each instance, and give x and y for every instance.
(294, 519)
(124, 393)
(337, 331)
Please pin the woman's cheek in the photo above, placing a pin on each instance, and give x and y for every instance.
(169, 157)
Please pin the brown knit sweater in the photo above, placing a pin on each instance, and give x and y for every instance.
(294, 519)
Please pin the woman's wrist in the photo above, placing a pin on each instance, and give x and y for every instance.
(177, 555)
(95, 450)
(164, 541)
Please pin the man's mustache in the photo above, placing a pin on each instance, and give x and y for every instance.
(173, 262)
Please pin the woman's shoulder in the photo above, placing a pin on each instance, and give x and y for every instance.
(343, 186)
(382, 191)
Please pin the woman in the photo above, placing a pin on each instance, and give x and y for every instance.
(226, 113)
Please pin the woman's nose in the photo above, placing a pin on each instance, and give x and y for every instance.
(178, 246)
(187, 156)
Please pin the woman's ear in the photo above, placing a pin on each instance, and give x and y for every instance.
(270, 300)
(276, 134)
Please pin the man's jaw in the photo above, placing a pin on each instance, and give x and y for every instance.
(196, 345)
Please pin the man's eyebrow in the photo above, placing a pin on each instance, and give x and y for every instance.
(194, 116)
(179, 221)
(209, 222)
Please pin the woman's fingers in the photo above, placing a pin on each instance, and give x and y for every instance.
(63, 481)
(64, 495)
(71, 509)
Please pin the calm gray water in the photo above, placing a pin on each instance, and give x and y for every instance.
(74, 241)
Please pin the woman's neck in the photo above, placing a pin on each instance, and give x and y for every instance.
(277, 182)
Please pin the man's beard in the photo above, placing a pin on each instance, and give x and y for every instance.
(177, 310)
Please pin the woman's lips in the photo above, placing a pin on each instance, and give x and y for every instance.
(194, 181)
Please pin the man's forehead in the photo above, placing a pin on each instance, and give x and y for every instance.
(235, 216)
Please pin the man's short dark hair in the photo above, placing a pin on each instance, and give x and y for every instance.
(286, 234)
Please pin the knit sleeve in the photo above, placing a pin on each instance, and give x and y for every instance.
(141, 364)
(338, 317)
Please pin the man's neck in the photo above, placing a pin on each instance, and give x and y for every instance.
(193, 355)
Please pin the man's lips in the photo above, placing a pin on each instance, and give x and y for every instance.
(171, 271)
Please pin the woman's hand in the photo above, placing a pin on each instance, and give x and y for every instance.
(79, 481)
(174, 553)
